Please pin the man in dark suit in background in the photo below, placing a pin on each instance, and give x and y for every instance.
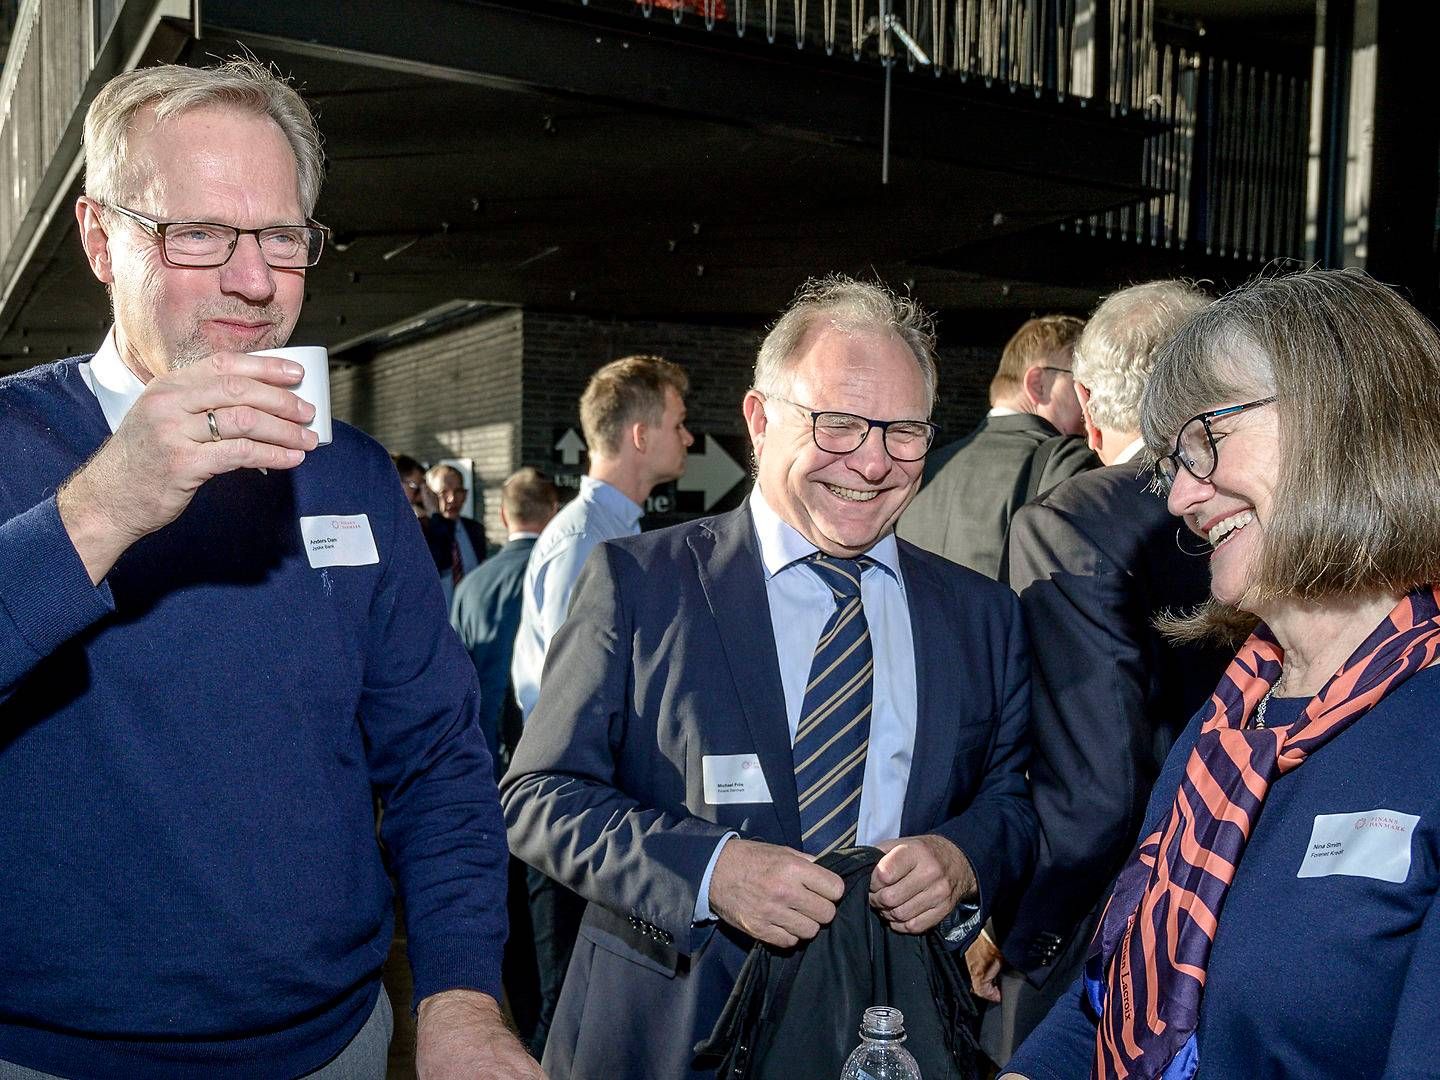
(745, 692)
(1094, 561)
(486, 610)
(457, 543)
(1027, 444)
(486, 615)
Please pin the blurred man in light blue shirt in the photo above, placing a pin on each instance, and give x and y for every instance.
(633, 416)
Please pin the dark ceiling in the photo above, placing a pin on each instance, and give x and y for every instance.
(598, 167)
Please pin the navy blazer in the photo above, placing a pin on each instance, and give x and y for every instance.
(1094, 561)
(668, 656)
(440, 531)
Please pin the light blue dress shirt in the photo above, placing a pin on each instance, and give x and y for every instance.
(800, 605)
(600, 512)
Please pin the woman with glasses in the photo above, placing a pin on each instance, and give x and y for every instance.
(1278, 918)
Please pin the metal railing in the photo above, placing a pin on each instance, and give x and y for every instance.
(1042, 45)
(1230, 162)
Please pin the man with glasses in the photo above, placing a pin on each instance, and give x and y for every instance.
(1025, 445)
(218, 645)
(457, 543)
(733, 697)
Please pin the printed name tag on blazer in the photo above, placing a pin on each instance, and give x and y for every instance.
(1372, 844)
(338, 540)
(734, 778)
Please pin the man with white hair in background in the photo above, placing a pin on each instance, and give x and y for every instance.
(1094, 560)
(209, 671)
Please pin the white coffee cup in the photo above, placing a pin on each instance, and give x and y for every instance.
(314, 387)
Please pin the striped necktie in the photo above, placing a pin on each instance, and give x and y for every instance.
(834, 728)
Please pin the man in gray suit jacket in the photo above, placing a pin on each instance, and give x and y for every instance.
(676, 775)
(1027, 444)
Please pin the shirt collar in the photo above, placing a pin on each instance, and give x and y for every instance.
(612, 498)
(112, 382)
(1128, 454)
(781, 546)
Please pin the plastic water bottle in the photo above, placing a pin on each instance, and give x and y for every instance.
(880, 1055)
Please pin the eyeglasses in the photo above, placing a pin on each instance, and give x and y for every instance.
(1195, 446)
(203, 244)
(844, 433)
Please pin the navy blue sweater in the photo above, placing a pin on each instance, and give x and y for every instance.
(1335, 977)
(189, 755)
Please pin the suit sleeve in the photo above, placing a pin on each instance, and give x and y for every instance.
(1071, 458)
(1089, 726)
(996, 829)
(572, 810)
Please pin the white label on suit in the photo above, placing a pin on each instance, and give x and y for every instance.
(734, 778)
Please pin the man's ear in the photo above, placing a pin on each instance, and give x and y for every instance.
(639, 435)
(756, 422)
(1033, 382)
(1092, 433)
(94, 239)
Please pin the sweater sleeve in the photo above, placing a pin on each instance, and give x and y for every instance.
(46, 596)
(428, 761)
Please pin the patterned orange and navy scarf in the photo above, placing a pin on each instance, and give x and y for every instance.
(1145, 972)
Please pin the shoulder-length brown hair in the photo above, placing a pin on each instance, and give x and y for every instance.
(1355, 371)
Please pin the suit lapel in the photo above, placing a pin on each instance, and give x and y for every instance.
(935, 731)
(727, 559)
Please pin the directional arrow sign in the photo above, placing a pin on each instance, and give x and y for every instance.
(571, 446)
(712, 472)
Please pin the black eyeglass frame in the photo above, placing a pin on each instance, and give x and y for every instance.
(1177, 459)
(883, 425)
(159, 229)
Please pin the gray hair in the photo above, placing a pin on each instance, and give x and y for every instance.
(850, 306)
(172, 89)
(1115, 351)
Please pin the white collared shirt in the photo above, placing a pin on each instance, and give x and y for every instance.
(1130, 452)
(112, 382)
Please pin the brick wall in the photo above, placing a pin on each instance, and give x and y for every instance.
(454, 395)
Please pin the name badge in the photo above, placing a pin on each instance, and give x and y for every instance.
(734, 778)
(338, 540)
(1372, 844)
